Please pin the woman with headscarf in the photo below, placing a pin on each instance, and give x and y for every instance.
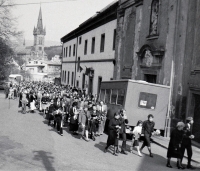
(174, 148)
(113, 134)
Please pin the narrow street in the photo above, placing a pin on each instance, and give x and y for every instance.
(28, 143)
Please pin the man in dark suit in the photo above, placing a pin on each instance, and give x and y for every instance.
(186, 143)
(123, 120)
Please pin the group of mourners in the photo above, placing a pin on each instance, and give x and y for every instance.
(86, 116)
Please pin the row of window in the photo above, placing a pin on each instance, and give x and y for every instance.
(66, 77)
(102, 45)
(112, 96)
(65, 51)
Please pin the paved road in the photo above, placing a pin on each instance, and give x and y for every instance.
(28, 143)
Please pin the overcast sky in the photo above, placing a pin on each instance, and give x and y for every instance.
(58, 17)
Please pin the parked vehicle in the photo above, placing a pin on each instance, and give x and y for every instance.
(138, 98)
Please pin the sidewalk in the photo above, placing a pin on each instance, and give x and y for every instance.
(164, 142)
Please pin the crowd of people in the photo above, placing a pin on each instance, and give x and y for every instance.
(86, 117)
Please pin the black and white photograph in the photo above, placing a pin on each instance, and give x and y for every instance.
(99, 85)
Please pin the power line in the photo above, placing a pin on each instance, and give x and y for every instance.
(36, 3)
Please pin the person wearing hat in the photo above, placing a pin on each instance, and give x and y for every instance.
(147, 131)
(187, 144)
(113, 134)
(174, 148)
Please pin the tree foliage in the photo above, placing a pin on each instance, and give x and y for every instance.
(8, 35)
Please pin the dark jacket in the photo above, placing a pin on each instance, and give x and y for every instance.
(148, 127)
(123, 123)
(174, 144)
(112, 133)
(187, 133)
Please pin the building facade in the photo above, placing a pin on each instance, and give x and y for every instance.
(158, 42)
(89, 51)
(43, 70)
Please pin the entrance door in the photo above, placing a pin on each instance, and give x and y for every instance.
(196, 125)
(90, 89)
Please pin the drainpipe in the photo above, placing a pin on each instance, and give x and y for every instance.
(76, 61)
(61, 73)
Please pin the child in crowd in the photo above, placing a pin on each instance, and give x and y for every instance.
(136, 135)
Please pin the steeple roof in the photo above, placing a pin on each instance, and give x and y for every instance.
(39, 29)
(40, 24)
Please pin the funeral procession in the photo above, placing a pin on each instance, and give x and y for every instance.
(99, 85)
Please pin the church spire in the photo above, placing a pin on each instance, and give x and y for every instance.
(40, 24)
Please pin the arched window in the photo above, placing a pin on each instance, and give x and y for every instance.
(154, 18)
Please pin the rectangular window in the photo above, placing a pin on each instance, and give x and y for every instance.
(72, 81)
(80, 38)
(65, 76)
(78, 65)
(107, 96)
(83, 82)
(74, 51)
(85, 49)
(77, 83)
(114, 96)
(66, 51)
(114, 38)
(102, 43)
(93, 45)
(69, 51)
(68, 77)
(121, 94)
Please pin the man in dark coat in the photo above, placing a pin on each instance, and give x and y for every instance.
(147, 130)
(187, 144)
(123, 120)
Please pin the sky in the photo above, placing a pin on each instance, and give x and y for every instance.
(59, 17)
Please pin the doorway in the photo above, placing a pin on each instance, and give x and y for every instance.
(196, 125)
(150, 78)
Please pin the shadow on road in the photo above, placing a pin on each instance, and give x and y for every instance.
(101, 146)
(46, 159)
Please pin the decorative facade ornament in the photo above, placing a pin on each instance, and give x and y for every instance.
(154, 18)
(148, 58)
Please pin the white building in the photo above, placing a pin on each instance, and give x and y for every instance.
(89, 51)
(43, 70)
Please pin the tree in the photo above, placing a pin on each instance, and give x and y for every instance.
(8, 30)
(5, 57)
(8, 35)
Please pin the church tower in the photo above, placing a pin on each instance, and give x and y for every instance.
(39, 36)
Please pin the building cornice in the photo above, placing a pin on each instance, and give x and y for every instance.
(90, 61)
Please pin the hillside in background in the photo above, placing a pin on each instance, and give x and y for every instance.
(52, 51)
